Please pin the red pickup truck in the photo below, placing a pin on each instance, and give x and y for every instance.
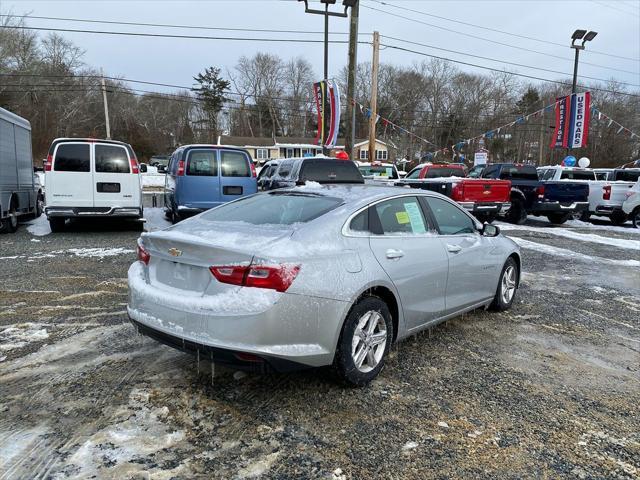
(437, 170)
(484, 198)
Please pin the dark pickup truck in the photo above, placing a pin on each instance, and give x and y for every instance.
(557, 200)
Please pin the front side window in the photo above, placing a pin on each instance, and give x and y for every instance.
(72, 157)
(202, 163)
(234, 164)
(273, 209)
(401, 216)
(451, 220)
(111, 159)
(415, 173)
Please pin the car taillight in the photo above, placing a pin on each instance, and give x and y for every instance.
(143, 255)
(457, 192)
(606, 192)
(135, 168)
(180, 171)
(48, 163)
(540, 192)
(274, 277)
(253, 170)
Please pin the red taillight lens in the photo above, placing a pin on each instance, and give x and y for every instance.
(48, 163)
(540, 192)
(606, 192)
(457, 192)
(180, 171)
(143, 255)
(274, 277)
(135, 168)
(253, 170)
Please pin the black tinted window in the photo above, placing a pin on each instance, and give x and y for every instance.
(72, 158)
(273, 209)
(522, 172)
(435, 172)
(235, 164)
(202, 163)
(330, 171)
(578, 175)
(490, 172)
(111, 159)
(626, 175)
(450, 219)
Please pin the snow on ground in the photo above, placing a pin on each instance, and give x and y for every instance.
(78, 252)
(580, 224)
(563, 252)
(21, 334)
(39, 227)
(155, 219)
(152, 180)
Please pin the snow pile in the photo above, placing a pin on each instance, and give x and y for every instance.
(39, 227)
(584, 237)
(150, 180)
(155, 219)
(96, 252)
(310, 185)
(20, 335)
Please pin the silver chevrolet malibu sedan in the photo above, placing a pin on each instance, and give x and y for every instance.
(317, 275)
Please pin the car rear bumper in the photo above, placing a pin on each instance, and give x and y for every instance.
(557, 207)
(487, 207)
(608, 209)
(280, 328)
(79, 212)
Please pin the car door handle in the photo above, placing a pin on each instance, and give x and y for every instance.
(393, 254)
(454, 248)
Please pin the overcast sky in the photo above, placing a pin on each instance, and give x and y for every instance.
(176, 61)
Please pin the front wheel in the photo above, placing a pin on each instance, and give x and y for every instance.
(507, 286)
(10, 224)
(558, 218)
(365, 340)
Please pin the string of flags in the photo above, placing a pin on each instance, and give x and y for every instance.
(595, 113)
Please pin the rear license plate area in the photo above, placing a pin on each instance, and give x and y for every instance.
(183, 276)
(104, 187)
(227, 190)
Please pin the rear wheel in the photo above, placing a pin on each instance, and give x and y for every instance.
(618, 218)
(56, 224)
(10, 224)
(516, 213)
(365, 340)
(585, 216)
(558, 218)
(39, 205)
(507, 286)
(635, 217)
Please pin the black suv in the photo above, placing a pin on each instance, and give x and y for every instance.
(297, 171)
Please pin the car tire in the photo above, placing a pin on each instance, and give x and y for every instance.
(618, 218)
(516, 214)
(558, 218)
(585, 216)
(39, 205)
(10, 224)
(507, 287)
(364, 342)
(635, 217)
(56, 224)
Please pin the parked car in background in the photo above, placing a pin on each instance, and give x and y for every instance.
(484, 198)
(317, 275)
(290, 172)
(437, 170)
(378, 171)
(200, 177)
(266, 173)
(621, 180)
(88, 177)
(161, 162)
(631, 204)
(557, 200)
(20, 192)
(596, 187)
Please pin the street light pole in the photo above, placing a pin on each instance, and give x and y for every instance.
(575, 69)
(585, 37)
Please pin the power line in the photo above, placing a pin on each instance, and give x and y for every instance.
(504, 32)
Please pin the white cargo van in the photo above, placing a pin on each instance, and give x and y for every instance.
(20, 194)
(91, 178)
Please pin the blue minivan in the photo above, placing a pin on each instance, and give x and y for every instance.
(200, 177)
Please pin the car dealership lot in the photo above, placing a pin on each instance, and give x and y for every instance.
(549, 388)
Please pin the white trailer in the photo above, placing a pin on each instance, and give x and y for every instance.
(20, 194)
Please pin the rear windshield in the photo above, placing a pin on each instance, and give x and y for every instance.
(330, 171)
(518, 172)
(578, 175)
(234, 164)
(111, 159)
(72, 157)
(435, 172)
(626, 175)
(274, 209)
(378, 171)
(202, 163)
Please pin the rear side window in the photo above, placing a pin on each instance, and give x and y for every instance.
(523, 172)
(202, 163)
(330, 171)
(234, 164)
(578, 175)
(626, 175)
(111, 159)
(444, 172)
(72, 157)
(360, 222)
(401, 216)
(273, 209)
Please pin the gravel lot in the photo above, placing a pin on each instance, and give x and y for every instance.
(549, 389)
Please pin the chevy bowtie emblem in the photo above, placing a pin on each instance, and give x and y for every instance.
(174, 252)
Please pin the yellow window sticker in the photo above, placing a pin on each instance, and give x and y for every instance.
(402, 217)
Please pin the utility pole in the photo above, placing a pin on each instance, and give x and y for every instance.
(374, 96)
(106, 109)
(350, 124)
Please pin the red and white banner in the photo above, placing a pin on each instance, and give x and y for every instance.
(327, 97)
(561, 133)
(579, 120)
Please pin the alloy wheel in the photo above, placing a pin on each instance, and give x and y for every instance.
(508, 286)
(369, 341)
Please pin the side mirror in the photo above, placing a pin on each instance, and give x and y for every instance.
(143, 168)
(489, 230)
